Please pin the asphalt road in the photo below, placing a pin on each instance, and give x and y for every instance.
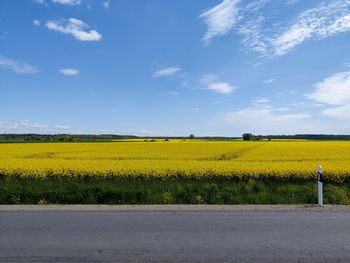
(175, 235)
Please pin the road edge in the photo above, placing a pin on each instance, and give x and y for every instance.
(263, 208)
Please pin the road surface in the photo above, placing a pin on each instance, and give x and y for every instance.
(174, 234)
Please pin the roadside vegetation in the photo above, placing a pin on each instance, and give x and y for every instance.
(174, 171)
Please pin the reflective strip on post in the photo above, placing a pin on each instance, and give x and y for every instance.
(320, 185)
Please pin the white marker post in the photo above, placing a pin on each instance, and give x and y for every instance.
(320, 186)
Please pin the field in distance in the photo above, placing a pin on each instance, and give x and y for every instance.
(175, 164)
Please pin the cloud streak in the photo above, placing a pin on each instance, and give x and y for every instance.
(261, 33)
(268, 81)
(33, 127)
(67, 2)
(106, 4)
(220, 19)
(166, 72)
(17, 66)
(320, 22)
(210, 82)
(69, 72)
(74, 27)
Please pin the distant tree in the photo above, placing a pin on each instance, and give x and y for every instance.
(247, 136)
(191, 136)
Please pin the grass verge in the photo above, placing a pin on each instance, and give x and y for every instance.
(14, 190)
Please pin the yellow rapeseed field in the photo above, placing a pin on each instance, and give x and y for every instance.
(194, 159)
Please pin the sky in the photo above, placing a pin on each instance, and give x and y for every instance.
(174, 68)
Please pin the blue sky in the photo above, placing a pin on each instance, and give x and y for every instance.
(155, 67)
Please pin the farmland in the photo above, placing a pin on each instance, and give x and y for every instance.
(176, 171)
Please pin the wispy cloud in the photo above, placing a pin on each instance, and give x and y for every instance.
(268, 81)
(166, 72)
(320, 22)
(106, 4)
(75, 27)
(69, 72)
(62, 2)
(221, 87)
(292, 2)
(260, 101)
(174, 93)
(67, 2)
(262, 34)
(33, 127)
(210, 82)
(334, 90)
(220, 19)
(36, 22)
(265, 119)
(253, 33)
(17, 66)
(341, 112)
(61, 127)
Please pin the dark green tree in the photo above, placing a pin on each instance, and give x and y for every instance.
(247, 136)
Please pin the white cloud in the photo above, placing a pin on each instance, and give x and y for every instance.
(323, 21)
(69, 72)
(75, 27)
(115, 111)
(292, 2)
(262, 34)
(33, 127)
(334, 90)
(174, 93)
(39, 1)
(61, 127)
(211, 83)
(195, 109)
(36, 22)
(67, 2)
(341, 112)
(220, 19)
(252, 35)
(268, 81)
(221, 87)
(266, 120)
(106, 4)
(166, 72)
(286, 92)
(260, 101)
(17, 66)
(307, 105)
